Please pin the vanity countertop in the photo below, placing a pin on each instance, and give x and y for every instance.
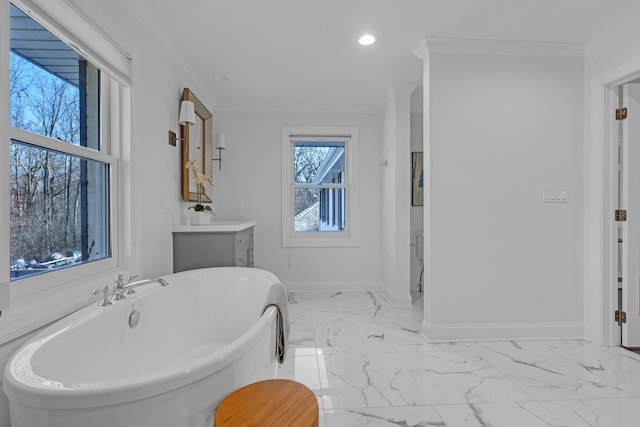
(215, 227)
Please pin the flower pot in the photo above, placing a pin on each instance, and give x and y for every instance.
(200, 218)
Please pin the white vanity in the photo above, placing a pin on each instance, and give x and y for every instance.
(218, 244)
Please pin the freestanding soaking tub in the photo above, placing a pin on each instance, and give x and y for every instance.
(195, 341)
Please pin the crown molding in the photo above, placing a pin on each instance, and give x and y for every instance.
(300, 108)
(500, 47)
(422, 51)
(169, 47)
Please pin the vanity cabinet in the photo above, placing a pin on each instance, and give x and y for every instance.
(216, 245)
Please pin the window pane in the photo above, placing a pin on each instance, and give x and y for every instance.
(59, 210)
(319, 209)
(53, 90)
(318, 162)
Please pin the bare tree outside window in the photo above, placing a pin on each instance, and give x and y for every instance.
(307, 160)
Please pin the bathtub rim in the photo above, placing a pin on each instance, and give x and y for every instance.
(35, 394)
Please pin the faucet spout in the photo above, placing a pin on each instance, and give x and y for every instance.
(132, 285)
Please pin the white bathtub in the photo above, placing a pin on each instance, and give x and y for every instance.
(197, 340)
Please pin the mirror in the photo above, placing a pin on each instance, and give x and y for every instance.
(197, 143)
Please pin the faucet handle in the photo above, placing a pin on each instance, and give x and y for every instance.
(129, 279)
(105, 296)
(119, 280)
(118, 294)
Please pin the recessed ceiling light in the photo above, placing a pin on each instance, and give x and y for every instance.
(366, 40)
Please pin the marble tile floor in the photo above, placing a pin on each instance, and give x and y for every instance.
(369, 366)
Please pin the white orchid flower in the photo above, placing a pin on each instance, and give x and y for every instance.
(191, 164)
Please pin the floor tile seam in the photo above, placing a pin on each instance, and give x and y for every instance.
(326, 322)
(313, 332)
(347, 311)
(510, 378)
(623, 352)
(589, 376)
(364, 408)
(391, 324)
(352, 353)
(507, 377)
(412, 376)
(617, 385)
(436, 405)
(583, 398)
(587, 399)
(400, 350)
(417, 386)
(567, 357)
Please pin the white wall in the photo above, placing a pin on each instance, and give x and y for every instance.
(503, 263)
(158, 76)
(387, 178)
(249, 187)
(396, 196)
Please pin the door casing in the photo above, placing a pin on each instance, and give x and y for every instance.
(600, 271)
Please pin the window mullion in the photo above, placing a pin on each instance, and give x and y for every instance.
(60, 146)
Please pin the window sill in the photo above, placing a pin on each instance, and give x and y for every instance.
(30, 312)
(320, 240)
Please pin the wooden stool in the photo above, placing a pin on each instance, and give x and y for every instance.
(270, 403)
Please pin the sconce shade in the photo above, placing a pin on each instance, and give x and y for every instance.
(187, 114)
(221, 143)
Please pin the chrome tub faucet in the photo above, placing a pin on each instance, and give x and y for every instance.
(123, 291)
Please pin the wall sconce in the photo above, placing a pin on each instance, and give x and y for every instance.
(187, 118)
(221, 144)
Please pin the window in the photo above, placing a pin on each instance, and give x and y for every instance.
(319, 187)
(59, 164)
(67, 162)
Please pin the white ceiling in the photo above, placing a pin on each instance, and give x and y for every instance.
(305, 53)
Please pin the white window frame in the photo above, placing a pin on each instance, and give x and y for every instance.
(37, 300)
(320, 239)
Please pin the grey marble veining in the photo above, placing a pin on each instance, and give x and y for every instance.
(369, 365)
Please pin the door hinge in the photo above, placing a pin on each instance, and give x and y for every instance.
(620, 215)
(621, 113)
(620, 316)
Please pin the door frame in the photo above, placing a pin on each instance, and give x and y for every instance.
(628, 131)
(600, 269)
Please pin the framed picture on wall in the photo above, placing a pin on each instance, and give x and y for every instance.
(417, 179)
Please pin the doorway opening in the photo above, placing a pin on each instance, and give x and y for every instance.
(627, 216)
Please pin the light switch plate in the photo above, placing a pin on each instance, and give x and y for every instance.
(555, 195)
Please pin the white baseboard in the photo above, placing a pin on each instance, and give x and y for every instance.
(502, 332)
(331, 286)
(398, 300)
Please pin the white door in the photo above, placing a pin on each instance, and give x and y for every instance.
(630, 200)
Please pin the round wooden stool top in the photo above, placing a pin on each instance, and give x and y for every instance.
(270, 403)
